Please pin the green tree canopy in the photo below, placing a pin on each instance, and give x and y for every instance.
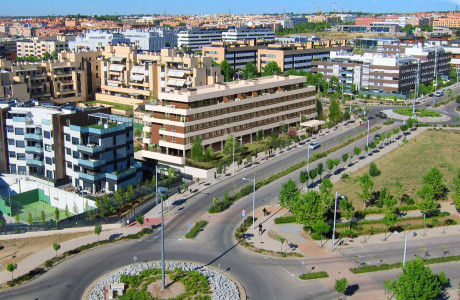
(249, 71)
(366, 184)
(196, 152)
(335, 112)
(309, 209)
(434, 178)
(271, 68)
(226, 70)
(289, 193)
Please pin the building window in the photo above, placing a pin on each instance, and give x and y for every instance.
(68, 151)
(11, 154)
(76, 168)
(49, 174)
(48, 161)
(20, 144)
(20, 156)
(19, 131)
(48, 148)
(67, 137)
(22, 170)
(10, 142)
(47, 134)
(69, 165)
(9, 128)
(75, 141)
(76, 154)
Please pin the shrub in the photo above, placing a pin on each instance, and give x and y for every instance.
(196, 229)
(373, 170)
(284, 220)
(26, 277)
(345, 176)
(419, 112)
(389, 122)
(314, 275)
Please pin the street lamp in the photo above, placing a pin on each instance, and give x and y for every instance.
(253, 199)
(9, 200)
(368, 127)
(162, 231)
(335, 214)
(308, 163)
(405, 248)
(233, 146)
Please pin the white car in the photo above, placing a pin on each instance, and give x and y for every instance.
(314, 145)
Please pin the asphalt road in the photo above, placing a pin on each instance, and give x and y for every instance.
(263, 277)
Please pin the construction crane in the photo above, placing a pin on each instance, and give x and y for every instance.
(318, 10)
(335, 5)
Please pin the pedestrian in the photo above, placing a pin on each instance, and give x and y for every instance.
(265, 211)
(260, 229)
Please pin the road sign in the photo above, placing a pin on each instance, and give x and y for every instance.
(434, 101)
(189, 224)
(135, 258)
(303, 263)
(243, 213)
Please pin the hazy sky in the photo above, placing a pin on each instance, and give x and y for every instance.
(62, 7)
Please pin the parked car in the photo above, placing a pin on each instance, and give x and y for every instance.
(314, 145)
(381, 115)
(439, 94)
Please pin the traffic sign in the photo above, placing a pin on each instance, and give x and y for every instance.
(189, 224)
(135, 259)
(303, 263)
(243, 213)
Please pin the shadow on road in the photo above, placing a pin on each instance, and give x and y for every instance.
(217, 258)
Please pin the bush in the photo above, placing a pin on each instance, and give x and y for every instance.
(285, 220)
(314, 275)
(389, 122)
(26, 277)
(345, 176)
(373, 170)
(420, 113)
(382, 267)
(196, 229)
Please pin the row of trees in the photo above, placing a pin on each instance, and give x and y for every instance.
(33, 58)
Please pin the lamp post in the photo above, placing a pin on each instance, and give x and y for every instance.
(162, 247)
(308, 163)
(9, 200)
(233, 146)
(368, 127)
(405, 248)
(156, 184)
(253, 199)
(335, 214)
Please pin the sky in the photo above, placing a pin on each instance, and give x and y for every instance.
(100, 7)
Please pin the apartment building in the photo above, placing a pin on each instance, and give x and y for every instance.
(96, 39)
(90, 148)
(213, 112)
(130, 77)
(245, 33)
(367, 28)
(371, 71)
(60, 82)
(152, 40)
(197, 38)
(450, 21)
(38, 47)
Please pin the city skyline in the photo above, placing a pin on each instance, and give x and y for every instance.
(104, 7)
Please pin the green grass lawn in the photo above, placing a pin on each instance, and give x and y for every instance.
(115, 105)
(35, 209)
(409, 163)
(419, 112)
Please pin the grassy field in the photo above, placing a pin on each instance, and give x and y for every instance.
(409, 163)
(35, 209)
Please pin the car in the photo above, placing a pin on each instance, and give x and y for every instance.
(431, 95)
(377, 136)
(439, 94)
(314, 145)
(381, 115)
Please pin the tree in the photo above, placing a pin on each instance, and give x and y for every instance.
(271, 68)
(428, 204)
(399, 190)
(140, 219)
(214, 201)
(456, 194)
(196, 152)
(56, 247)
(282, 240)
(330, 163)
(97, 231)
(208, 154)
(3, 223)
(16, 219)
(289, 193)
(357, 151)
(303, 177)
(409, 29)
(320, 169)
(373, 170)
(309, 209)
(347, 210)
(341, 285)
(434, 179)
(10, 268)
(226, 70)
(335, 112)
(417, 282)
(321, 228)
(313, 174)
(249, 71)
(344, 158)
(42, 216)
(29, 218)
(319, 109)
(66, 211)
(325, 190)
(366, 185)
(56, 214)
(389, 220)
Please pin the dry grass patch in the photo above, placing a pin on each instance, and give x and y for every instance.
(409, 163)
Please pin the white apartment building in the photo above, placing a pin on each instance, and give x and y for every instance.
(196, 38)
(152, 40)
(97, 39)
(38, 47)
(245, 33)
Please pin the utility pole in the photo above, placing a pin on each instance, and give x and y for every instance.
(335, 214)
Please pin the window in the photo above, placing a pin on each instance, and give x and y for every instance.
(19, 131)
(11, 154)
(76, 154)
(69, 165)
(20, 144)
(49, 174)
(48, 161)
(10, 142)
(48, 148)
(22, 170)
(76, 168)
(75, 141)
(68, 151)
(21, 156)
(67, 137)
(9, 128)
(47, 134)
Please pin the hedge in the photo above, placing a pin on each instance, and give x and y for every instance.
(389, 122)
(420, 113)
(196, 229)
(314, 275)
(285, 220)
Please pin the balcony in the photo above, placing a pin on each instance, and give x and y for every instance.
(90, 148)
(33, 136)
(162, 157)
(34, 162)
(32, 149)
(120, 175)
(92, 176)
(91, 163)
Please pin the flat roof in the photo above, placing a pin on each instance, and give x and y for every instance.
(312, 123)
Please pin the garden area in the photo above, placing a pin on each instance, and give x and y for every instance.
(419, 112)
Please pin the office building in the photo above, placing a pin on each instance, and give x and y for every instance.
(90, 148)
(95, 39)
(245, 33)
(152, 40)
(197, 38)
(213, 112)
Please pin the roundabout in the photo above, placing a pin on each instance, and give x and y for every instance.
(394, 115)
